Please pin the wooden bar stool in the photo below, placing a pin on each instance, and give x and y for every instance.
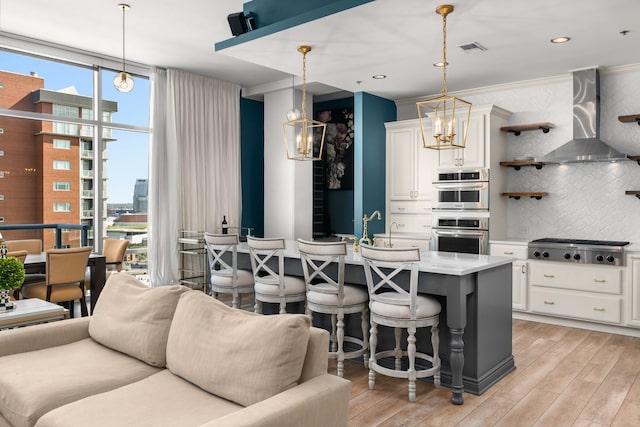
(271, 284)
(392, 305)
(323, 267)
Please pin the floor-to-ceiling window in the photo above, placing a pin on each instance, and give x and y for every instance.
(60, 162)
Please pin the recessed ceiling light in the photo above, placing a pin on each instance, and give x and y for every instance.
(563, 39)
(439, 64)
(378, 76)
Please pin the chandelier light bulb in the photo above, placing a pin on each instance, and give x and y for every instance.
(293, 114)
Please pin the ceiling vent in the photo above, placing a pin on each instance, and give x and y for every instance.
(472, 47)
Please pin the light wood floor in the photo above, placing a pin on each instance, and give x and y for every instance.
(563, 377)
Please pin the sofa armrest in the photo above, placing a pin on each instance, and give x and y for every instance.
(319, 402)
(37, 337)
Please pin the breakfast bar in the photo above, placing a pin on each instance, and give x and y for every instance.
(475, 293)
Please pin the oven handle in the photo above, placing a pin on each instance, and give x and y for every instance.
(459, 233)
(461, 185)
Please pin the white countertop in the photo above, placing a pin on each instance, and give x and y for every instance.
(453, 264)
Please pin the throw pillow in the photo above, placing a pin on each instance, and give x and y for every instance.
(133, 318)
(234, 354)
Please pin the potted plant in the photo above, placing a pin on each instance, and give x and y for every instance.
(11, 277)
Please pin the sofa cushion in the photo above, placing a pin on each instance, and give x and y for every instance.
(161, 400)
(134, 318)
(235, 354)
(36, 382)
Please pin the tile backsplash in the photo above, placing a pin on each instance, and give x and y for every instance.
(586, 200)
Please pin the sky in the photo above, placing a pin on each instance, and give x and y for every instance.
(128, 156)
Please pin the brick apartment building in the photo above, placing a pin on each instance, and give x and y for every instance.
(46, 168)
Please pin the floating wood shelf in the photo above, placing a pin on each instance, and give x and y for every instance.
(634, 158)
(518, 129)
(633, 193)
(630, 118)
(517, 164)
(517, 196)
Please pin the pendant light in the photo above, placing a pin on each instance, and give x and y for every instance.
(293, 113)
(304, 137)
(443, 110)
(123, 80)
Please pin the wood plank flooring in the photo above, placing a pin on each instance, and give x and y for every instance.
(563, 377)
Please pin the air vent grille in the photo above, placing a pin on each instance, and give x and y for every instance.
(472, 47)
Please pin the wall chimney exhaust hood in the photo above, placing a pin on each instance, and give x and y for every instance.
(586, 145)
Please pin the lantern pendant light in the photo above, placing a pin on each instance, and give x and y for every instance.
(443, 110)
(304, 137)
(123, 81)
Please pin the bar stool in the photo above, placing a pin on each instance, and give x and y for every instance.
(323, 267)
(227, 278)
(391, 305)
(272, 285)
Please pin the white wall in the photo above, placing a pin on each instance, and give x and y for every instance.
(586, 200)
(288, 184)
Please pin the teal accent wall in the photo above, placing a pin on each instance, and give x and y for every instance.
(338, 203)
(371, 112)
(252, 164)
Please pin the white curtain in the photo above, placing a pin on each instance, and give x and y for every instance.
(194, 166)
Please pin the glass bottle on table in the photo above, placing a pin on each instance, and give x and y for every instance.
(225, 226)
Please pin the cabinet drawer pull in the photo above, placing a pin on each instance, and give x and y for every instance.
(599, 280)
(401, 209)
(549, 302)
(523, 270)
(598, 309)
(550, 276)
(508, 253)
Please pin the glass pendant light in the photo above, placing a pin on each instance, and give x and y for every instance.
(123, 81)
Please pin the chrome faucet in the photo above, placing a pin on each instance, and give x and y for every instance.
(390, 245)
(365, 220)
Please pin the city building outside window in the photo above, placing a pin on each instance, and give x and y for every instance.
(64, 144)
(61, 186)
(62, 207)
(62, 165)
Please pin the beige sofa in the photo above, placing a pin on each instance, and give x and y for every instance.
(169, 356)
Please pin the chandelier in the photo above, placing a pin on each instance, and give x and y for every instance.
(123, 80)
(442, 110)
(303, 137)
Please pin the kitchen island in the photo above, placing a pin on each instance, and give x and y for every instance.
(475, 293)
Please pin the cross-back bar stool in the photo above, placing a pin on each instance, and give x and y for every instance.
(271, 284)
(392, 305)
(226, 278)
(323, 267)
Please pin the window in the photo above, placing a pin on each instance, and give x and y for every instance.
(62, 165)
(65, 111)
(62, 207)
(61, 186)
(64, 144)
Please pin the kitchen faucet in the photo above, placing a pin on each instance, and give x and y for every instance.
(390, 245)
(365, 220)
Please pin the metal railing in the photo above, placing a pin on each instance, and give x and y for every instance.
(58, 227)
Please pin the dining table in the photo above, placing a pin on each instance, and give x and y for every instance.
(97, 263)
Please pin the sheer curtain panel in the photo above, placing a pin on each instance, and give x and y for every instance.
(194, 163)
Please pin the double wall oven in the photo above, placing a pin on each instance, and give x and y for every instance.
(460, 214)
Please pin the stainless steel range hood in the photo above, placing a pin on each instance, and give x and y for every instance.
(586, 145)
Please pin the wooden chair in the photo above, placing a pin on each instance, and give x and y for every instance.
(64, 278)
(392, 305)
(226, 278)
(323, 267)
(33, 247)
(270, 283)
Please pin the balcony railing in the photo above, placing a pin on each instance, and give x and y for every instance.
(87, 213)
(87, 174)
(87, 194)
(58, 227)
(86, 153)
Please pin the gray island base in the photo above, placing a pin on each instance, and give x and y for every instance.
(475, 293)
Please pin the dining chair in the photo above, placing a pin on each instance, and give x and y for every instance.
(271, 285)
(323, 268)
(392, 305)
(225, 277)
(65, 275)
(113, 251)
(33, 247)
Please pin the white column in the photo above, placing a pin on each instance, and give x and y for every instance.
(288, 184)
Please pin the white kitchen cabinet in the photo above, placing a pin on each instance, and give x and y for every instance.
(633, 288)
(576, 291)
(519, 284)
(485, 143)
(409, 176)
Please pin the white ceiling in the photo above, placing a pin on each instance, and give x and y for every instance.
(401, 39)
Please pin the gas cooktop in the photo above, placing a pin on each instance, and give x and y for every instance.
(606, 252)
